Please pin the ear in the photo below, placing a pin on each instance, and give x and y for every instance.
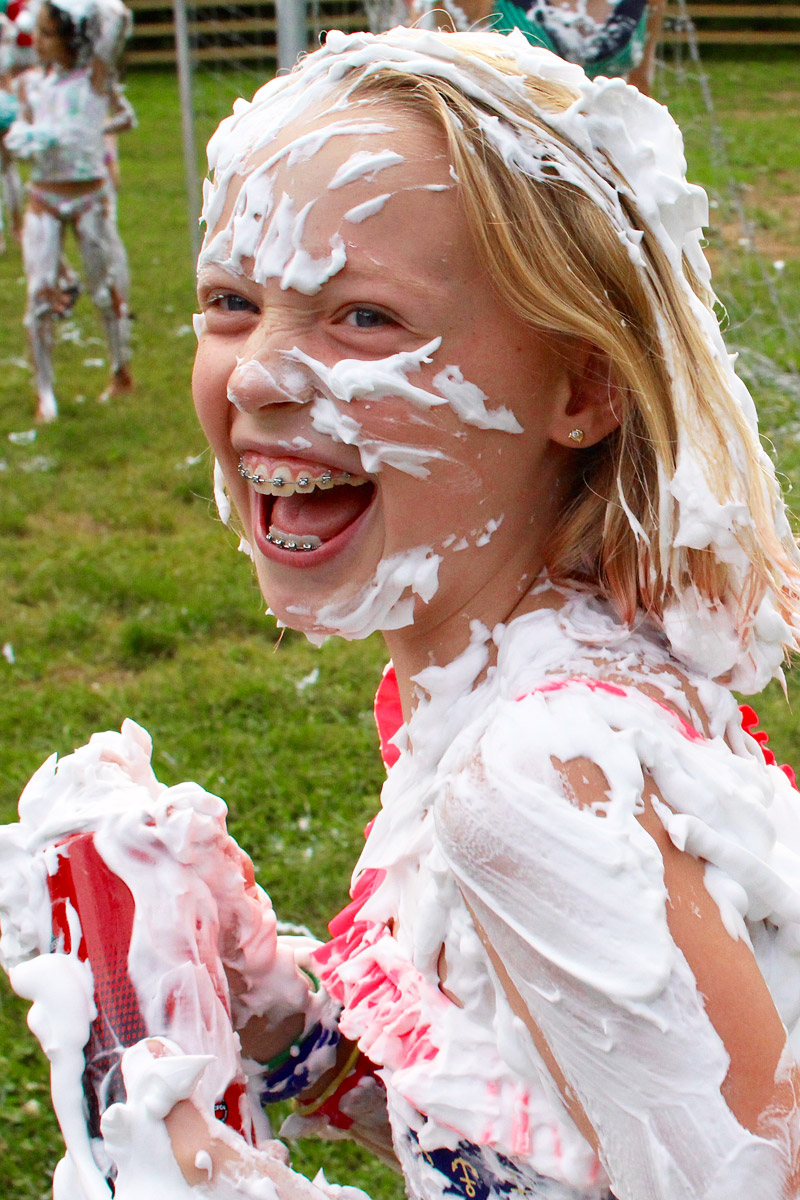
(593, 403)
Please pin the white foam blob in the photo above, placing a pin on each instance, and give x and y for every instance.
(221, 498)
(271, 234)
(194, 901)
(375, 453)
(284, 387)
(368, 209)
(364, 164)
(469, 402)
(384, 603)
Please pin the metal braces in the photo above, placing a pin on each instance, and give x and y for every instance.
(278, 481)
(286, 545)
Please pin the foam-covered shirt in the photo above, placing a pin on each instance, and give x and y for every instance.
(477, 819)
(64, 138)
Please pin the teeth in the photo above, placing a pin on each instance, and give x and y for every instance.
(290, 541)
(282, 481)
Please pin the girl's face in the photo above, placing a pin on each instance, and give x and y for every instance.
(50, 46)
(379, 413)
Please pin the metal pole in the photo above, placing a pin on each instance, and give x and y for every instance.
(187, 123)
(427, 19)
(292, 32)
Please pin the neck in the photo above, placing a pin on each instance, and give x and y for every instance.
(416, 647)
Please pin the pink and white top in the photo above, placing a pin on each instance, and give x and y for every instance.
(476, 819)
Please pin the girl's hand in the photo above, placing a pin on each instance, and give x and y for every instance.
(189, 950)
(163, 1139)
(267, 990)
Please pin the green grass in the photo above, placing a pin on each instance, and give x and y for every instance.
(123, 596)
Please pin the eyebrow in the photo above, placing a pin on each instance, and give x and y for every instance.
(408, 279)
(212, 274)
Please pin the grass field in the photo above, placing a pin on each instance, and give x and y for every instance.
(123, 596)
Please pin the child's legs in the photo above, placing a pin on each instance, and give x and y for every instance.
(112, 160)
(120, 272)
(42, 234)
(12, 193)
(97, 245)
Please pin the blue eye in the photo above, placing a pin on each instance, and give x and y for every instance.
(367, 318)
(231, 302)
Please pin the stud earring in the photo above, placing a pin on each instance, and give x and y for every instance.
(577, 435)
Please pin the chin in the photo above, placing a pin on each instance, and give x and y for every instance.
(386, 600)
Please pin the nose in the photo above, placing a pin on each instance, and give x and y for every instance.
(260, 381)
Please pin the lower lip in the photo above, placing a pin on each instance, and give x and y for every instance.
(302, 559)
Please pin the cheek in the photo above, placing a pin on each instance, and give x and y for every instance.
(210, 391)
(210, 376)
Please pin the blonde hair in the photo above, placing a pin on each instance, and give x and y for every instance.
(532, 230)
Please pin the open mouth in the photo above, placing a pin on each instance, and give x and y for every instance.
(304, 507)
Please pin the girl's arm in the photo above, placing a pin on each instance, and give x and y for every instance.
(642, 76)
(121, 116)
(192, 1135)
(27, 140)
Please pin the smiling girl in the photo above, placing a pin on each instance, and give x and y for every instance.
(459, 368)
(460, 371)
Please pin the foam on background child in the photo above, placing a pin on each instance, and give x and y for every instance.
(67, 107)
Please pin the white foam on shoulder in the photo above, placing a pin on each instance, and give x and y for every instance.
(479, 810)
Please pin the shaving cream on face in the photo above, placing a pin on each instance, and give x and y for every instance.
(364, 163)
(267, 230)
(385, 603)
(610, 143)
(367, 402)
(287, 385)
(351, 380)
(375, 453)
(368, 209)
(355, 379)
